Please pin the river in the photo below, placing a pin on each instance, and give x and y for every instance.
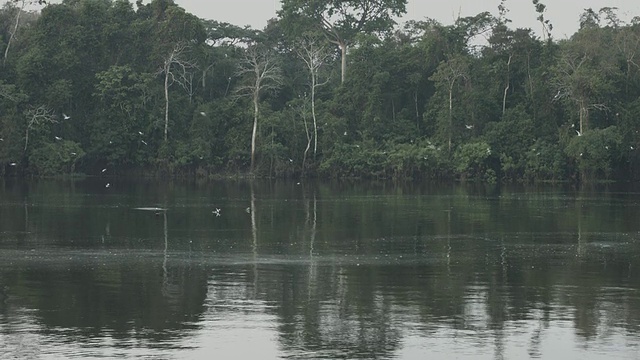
(286, 270)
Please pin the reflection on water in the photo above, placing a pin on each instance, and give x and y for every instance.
(317, 271)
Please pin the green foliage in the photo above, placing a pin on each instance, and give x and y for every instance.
(596, 153)
(470, 161)
(510, 139)
(423, 101)
(55, 158)
(545, 162)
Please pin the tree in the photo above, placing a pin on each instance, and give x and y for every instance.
(37, 116)
(314, 56)
(19, 13)
(261, 74)
(585, 71)
(445, 77)
(546, 25)
(175, 69)
(342, 20)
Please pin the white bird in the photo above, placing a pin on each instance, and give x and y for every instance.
(579, 133)
(107, 185)
(557, 95)
(140, 132)
(103, 170)
(65, 116)
(144, 142)
(345, 133)
(1, 139)
(74, 154)
(216, 211)
(12, 164)
(58, 138)
(247, 210)
(469, 127)
(291, 160)
(203, 113)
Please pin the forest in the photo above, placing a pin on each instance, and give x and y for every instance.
(328, 89)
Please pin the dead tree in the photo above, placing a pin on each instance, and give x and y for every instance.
(176, 70)
(36, 116)
(314, 56)
(260, 74)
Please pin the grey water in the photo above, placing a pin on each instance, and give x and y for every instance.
(151, 269)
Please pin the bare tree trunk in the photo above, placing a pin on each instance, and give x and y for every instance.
(26, 139)
(450, 111)
(13, 33)
(584, 116)
(343, 55)
(534, 107)
(175, 70)
(166, 100)
(506, 88)
(415, 100)
(313, 113)
(309, 138)
(254, 133)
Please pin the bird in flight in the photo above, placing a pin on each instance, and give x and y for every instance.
(58, 138)
(216, 212)
(65, 116)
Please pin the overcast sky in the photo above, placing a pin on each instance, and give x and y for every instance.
(563, 14)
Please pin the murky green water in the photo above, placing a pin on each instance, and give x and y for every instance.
(309, 271)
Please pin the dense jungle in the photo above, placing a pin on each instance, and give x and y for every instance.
(328, 89)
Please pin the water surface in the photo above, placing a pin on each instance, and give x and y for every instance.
(317, 271)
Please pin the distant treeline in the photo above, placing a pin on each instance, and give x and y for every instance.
(326, 89)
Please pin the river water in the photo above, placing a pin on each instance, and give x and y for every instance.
(148, 269)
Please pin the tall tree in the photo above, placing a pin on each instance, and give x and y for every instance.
(342, 20)
(176, 70)
(314, 56)
(260, 74)
(446, 77)
(585, 72)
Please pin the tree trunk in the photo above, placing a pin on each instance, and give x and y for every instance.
(506, 88)
(166, 100)
(26, 140)
(343, 55)
(13, 33)
(313, 113)
(533, 107)
(450, 112)
(415, 100)
(254, 133)
(584, 117)
(306, 150)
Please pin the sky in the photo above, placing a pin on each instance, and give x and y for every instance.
(563, 14)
